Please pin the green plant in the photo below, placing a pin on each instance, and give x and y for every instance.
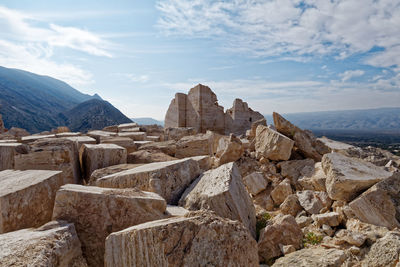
(262, 221)
(312, 239)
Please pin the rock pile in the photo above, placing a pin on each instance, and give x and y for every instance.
(213, 188)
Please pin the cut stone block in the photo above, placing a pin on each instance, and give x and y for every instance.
(272, 145)
(33, 138)
(222, 191)
(255, 182)
(27, 198)
(80, 140)
(127, 125)
(168, 179)
(167, 147)
(148, 156)
(198, 239)
(53, 244)
(313, 257)
(124, 142)
(95, 157)
(135, 136)
(8, 152)
(99, 173)
(97, 212)
(98, 135)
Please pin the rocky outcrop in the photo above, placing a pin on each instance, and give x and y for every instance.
(197, 239)
(313, 257)
(168, 179)
(347, 177)
(222, 191)
(27, 198)
(97, 212)
(53, 244)
(199, 109)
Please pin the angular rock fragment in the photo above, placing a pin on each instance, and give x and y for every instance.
(135, 136)
(80, 140)
(8, 151)
(168, 179)
(272, 145)
(97, 212)
(53, 244)
(197, 239)
(384, 252)
(314, 201)
(255, 182)
(229, 149)
(124, 142)
(313, 257)
(294, 169)
(27, 198)
(291, 205)
(167, 147)
(127, 126)
(100, 173)
(197, 145)
(98, 135)
(329, 218)
(315, 180)
(176, 133)
(281, 192)
(222, 191)
(148, 156)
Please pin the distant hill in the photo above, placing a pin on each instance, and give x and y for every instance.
(39, 103)
(367, 119)
(147, 121)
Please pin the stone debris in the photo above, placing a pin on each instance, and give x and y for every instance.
(229, 149)
(148, 156)
(176, 133)
(291, 205)
(124, 142)
(97, 212)
(281, 192)
(100, 173)
(8, 151)
(313, 201)
(167, 147)
(197, 145)
(255, 182)
(272, 145)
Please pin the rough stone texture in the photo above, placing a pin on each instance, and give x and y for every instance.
(205, 162)
(315, 180)
(127, 126)
(167, 147)
(385, 252)
(199, 109)
(271, 144)
(100, 173)
(329, 218)
(2, 128)
(335, 146)
(304, 140)
(17, 132)
(198, 239)
(36, 137)
(222, 191)
(313, 257)
(27, 198)
(176, 211)
(281, 192)
(95, 157)
(8, 152)
(98, 135)
(148, 156)
(97, 212)
(255, 182)
(372, 232)
(57, 154)
(291, 205)
(135, 136)
(350, 237)
(314, 201)
(54, 244)
(124, 142)
(295, 169)
(168, 179)
(252, 131)
(80, 140)
(282, 231)
(176, 133)
(347, 177)
(229, 149)
(197, 145)
(380, 204)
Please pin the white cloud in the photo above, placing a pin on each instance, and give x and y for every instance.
(349, 74)
(133, 78)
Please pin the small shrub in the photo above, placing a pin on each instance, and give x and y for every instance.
(312, 239)
(262, 222)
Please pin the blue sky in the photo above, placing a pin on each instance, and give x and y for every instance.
(277, 55)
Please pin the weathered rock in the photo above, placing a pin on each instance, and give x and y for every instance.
(283, 231)
(197, 145)
(8, 152)
(135, 136)
(205, 162)
(27, 198)
(304, 221)
(315, 180)
(18, 132)
(291, 205)
(380, 204)
(95, 157)
(281, 192)
(148, 156)
(100, 173)
(222, 191)
(350, 237)
(127, 125)
(80, 140)
(68, 134)
(329, 218)
(272, 145)
(98, 135)
(313, 257)
(97, 212)
(198, 239)
(335, 146)
(304, 140)
(53, 244)
(36, 137)
(347, 177)
(372, 232)
(176, 211)
(314, 201)
(111, 128)
(168, 179)
(252, 131)
(255, 182)
(176, 133)
(57, 154)
(167, 147)
(124, 142)
(385, 252)
(229, 149)
(2, 128)
(295, 169)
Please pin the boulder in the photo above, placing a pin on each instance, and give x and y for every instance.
(197, 239)
(282, 231)
(17, 132)
(8, 151)
(197, 145)
(385, 252)
(124, 142)
(98, 135)
(314, 180)
(350, 237)
(168, 179)
(295, 169)
(348, 177)
(314, 201)
(291, 205)
(53, 244)
(148, 156)
(335, 146)
(271, 144)
(281, 192)
(135, 136)
(175, 211)
(205, 162)
(57, 154)
(27, 198)
(167, 147)
(222, 191)
(380, 204)
(176, 133)
(80, 140)
(95, 157)
(255, 182)
(97, 212)
(304, 140)
(100, 173)
(329, 218)
(313, 257)
(252, 131)
(229, 149)
(372, 232)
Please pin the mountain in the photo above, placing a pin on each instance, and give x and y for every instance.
(366, 119)
(147, 121)
(93, 114)
(40, 103)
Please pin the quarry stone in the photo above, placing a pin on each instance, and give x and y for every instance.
(8, 151)
(313, 257)
(272, 145)
(255, 182)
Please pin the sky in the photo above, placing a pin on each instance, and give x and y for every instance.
(277, 55)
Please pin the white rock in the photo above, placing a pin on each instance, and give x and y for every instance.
(272, 145)
(255, 182)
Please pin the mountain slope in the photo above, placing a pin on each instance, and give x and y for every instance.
(147, 121)
(93, 114)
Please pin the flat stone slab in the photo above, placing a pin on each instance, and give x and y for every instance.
(97, 212)
(32, 138)
(27, 198)
(168, 179)
(198, 239)
(53, 244)
(135, 136)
